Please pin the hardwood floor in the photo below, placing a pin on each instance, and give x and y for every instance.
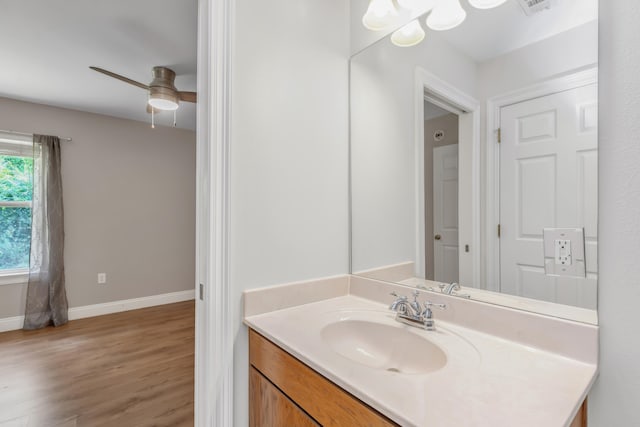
(127, 369)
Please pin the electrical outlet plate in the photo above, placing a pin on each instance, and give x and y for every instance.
(102, 278)
(564, 252)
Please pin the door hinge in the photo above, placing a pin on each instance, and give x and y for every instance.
(201, 296)
(499, 135)
(498, 230)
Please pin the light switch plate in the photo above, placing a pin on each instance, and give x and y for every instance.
(564, 252)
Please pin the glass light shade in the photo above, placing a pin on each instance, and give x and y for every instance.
(446, 14)
(163, 104)
(409, 35)
(486, 4)
(380, 15)
(409, 4)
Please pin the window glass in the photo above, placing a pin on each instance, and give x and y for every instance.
(16, 186)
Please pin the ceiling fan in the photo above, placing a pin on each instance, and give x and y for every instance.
(163, 94)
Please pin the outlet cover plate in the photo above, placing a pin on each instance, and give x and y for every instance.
(576, 265)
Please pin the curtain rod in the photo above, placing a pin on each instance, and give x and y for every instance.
(30, 134)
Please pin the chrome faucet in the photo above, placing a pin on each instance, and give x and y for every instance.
(448, 289)
(413, 313)
(452, 289)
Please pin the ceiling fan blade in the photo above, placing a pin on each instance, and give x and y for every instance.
(119, 77)
(188, 96)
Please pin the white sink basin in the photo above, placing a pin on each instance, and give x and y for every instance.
(384, 347)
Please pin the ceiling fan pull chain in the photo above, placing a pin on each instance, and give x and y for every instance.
(174, 118)
(153, 123)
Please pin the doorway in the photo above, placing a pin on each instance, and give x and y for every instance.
(441, 193)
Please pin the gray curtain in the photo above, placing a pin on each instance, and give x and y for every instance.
(46, 295)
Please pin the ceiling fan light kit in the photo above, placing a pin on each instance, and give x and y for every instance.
(161, 99)
(444, 15)
(163, 94)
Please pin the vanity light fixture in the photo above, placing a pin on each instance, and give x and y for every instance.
(409, 35)
(410, 4)
(446, 14)
(380, 15)
(486, 4)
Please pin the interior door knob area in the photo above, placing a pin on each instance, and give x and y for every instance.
(437, 237)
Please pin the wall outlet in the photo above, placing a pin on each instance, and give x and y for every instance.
(564, 252)
(102, 278)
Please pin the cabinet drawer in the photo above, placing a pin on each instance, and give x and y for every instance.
(269, 407)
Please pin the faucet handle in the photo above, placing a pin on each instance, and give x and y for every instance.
(430, 304)
(399, 298)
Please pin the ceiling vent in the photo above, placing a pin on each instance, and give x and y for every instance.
(534, 6)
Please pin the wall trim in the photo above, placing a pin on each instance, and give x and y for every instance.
(11, 323)
(216, 316)
(93, 310)
(567, 81)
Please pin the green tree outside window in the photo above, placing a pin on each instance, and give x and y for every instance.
(16, 185)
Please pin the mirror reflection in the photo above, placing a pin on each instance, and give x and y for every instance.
(474, 155)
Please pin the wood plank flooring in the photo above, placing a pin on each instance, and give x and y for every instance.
(127, 369)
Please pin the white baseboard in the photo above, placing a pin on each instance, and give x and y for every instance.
(13, 323)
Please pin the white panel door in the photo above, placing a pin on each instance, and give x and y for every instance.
(548, 178)
(445, 213)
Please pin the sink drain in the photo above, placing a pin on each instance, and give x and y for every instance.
(393, 370)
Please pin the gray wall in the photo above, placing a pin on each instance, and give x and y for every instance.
(614, 399)
(129, 201)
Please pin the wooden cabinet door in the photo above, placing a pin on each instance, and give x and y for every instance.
(269, 407)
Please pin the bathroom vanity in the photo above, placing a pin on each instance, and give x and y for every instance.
(335, 355)
(285, 392)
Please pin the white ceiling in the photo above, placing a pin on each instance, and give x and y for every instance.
(488, 33)
(46, 48)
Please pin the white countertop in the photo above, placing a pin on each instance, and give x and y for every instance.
(487, 381)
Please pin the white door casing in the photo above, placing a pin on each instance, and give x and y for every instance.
(215, 314)
(445, 213)
(548, 178)
(468, 185)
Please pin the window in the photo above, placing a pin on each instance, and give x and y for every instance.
(16, 187)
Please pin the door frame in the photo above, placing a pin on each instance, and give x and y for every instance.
(567, 81)
(215, 313)
(428, 86)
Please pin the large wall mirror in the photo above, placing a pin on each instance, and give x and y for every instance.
(474, 155)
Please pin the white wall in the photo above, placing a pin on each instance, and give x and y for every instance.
(129, 204)
(383, 144)
(289, 152)
(576, 48)
(614, 399)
